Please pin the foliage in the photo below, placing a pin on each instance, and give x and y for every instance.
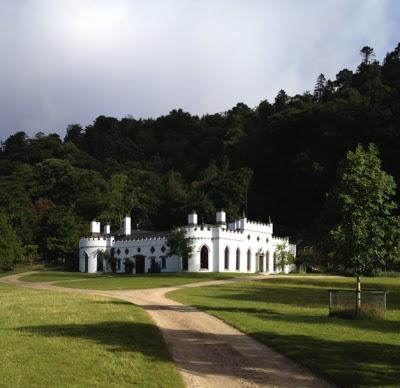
(129, 265)
(366, 235)
(277, 159)
(59, 233)
(283, 256)
(11, 251)
(179, 245)
(31, 254)
(154, 266)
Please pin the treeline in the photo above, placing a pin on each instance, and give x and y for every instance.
(275, 160)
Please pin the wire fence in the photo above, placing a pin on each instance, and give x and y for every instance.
(351, 304)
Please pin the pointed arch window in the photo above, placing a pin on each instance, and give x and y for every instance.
(226, 265)
(204, 257)
(248, 260)
(237, 259)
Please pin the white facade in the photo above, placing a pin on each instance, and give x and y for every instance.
(240, 246)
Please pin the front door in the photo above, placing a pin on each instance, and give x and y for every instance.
(139, 262)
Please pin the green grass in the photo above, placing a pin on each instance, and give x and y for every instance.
(126, 282)
(50, 339)
(291, 315)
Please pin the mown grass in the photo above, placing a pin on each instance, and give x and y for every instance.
(291, 315)
(101, 281)
(50, 339)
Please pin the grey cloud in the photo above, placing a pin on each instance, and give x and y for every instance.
(68, 61)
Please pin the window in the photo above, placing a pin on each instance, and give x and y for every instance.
(267, 259)
(118, 251)
(126, 251)
(163, 262)
(226, 266)
(138, 249)
(118, 264)
(163, 249)
(248, 237)
(258, 238)
(237, 259)
(204, 257)
(248, 260)
(152, 250)
(274, 261)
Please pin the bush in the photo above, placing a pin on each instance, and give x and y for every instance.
(154, 266)
(129, 265)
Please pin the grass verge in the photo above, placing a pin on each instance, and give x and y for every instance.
(291, 315)
(102, 281)
(58, 340)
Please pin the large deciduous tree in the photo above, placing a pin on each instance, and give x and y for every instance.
(366, 234)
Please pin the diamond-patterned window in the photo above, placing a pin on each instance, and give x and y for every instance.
(126, 251)
(152, 250)
(163, 249)
(258, 238)
(248, 237)
(118, 251)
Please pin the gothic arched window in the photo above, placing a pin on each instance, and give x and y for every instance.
(237, 259)
(204, 257)
(226, 266)
(248, 260)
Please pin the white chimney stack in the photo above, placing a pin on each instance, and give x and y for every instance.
(94, 227)
(127, 226)
(192, 218)
(107, 229)
(221, 217)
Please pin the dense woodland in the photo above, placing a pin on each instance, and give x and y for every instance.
(276, 160)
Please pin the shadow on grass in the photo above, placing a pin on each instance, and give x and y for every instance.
(348, 363)
(117, 336)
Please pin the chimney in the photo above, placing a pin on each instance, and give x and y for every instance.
(192, 218)
(221, 217)
(94, 227)
(127, 226)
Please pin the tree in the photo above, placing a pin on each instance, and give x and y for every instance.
(60, 232)
(367, 54)
(319, 89)
(179, 244)
(283, 256)
(11, 251)
(366, 234)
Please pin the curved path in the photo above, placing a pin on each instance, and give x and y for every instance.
(207, 351)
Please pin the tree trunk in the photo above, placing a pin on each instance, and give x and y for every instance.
(358, 294)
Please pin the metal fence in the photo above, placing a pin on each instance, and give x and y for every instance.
(350, 304)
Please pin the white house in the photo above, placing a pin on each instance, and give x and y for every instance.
(240, 246)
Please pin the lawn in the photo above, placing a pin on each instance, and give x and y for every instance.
(102, 281)
(291, 315)
(50, 339)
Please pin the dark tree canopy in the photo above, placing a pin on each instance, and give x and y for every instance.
(277, 159)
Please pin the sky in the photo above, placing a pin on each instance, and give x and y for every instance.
(68, 61)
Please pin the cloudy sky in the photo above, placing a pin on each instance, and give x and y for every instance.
(68, 61)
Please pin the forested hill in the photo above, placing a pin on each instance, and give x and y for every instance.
(278, 160)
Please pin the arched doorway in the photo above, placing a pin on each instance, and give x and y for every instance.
(226, 265)
(86, 258)
(237, 259)
(260, 262)
(204, 257)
